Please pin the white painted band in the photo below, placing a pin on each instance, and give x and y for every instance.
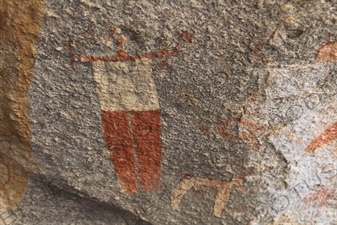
(127, 85)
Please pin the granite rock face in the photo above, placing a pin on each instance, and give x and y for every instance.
(168, 112)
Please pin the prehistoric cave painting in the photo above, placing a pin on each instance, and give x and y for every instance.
(329, 135)
(19, 30)
(246, 131)
(300, 101)
(224, 190)
(131, 111)
(326, 52)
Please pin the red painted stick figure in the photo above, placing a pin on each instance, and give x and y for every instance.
(131, 112)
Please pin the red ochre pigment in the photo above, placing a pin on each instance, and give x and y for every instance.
(327, 52)
(144, 137)
(321, 195)
(118, 138)
(133, 137)
(146, 133)
(247, 136)
(324, 138)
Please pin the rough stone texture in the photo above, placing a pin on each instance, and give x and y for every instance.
(19, 30)
(247, 94)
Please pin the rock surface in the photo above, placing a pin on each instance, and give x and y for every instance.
(168, 112)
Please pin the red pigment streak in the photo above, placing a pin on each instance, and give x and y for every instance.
(117, 134)
(244, 136)
(257, 50)
(322, 195)
(324, 138)
(257, 53)
(205, 130)
(199, 192)
(122, 55)
(249, 137)
(187, 36)
(8, 176)
(146, 133)
(186, 175)
(223, 132)
(120, 41)
(251, 124)
(327, 52)
(246, 174)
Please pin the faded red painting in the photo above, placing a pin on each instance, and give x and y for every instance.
(327, 52)
(246, 136)
(329, 135)
(130, 111)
